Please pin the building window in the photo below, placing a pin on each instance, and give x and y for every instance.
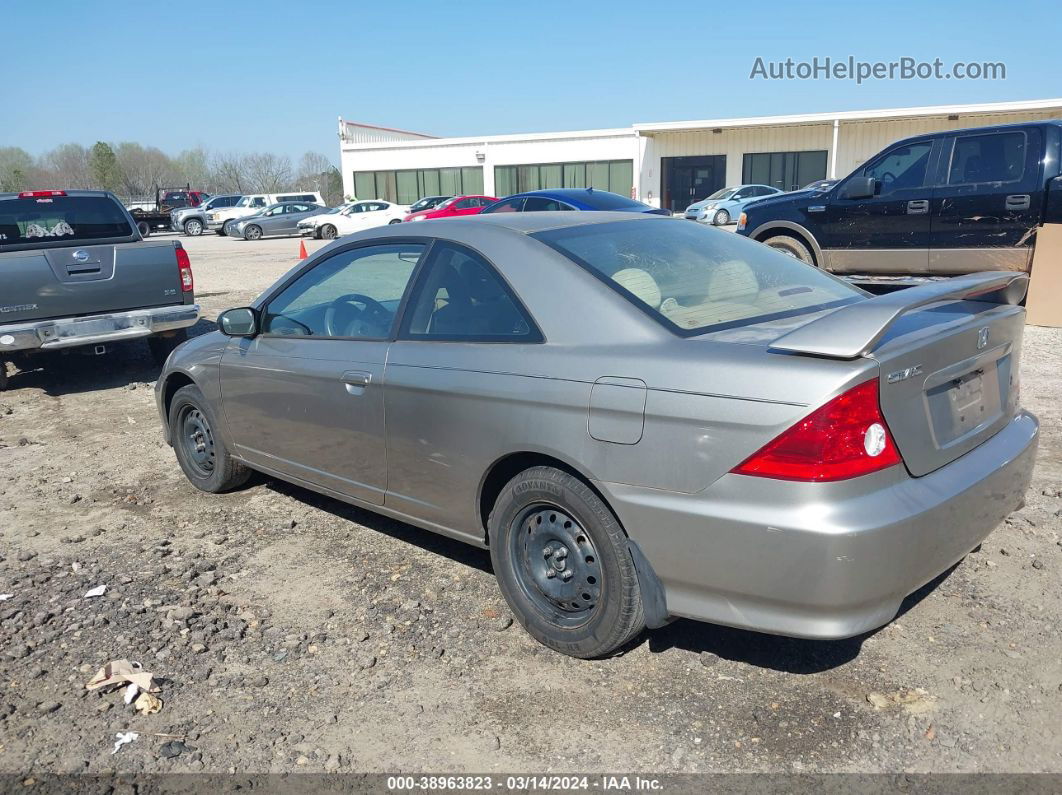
(784, 170)
(611, 175)
(408, 185)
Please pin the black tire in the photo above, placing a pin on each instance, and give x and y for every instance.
(252, 232)
(202, 456)
(144, 228)
(721, 218)
(791, 246)
(3, 375)
(193, 227)
(220, 231)
(162, 346)
(394, 221)
(597, 608)
(328, 232)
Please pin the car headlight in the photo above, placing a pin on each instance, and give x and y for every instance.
(709, 207)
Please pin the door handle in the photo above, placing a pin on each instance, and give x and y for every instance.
(356, 381)
(1018, 201)
(918, 207)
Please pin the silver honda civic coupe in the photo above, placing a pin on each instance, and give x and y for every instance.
(640, 417)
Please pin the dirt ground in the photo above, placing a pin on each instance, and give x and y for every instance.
(293, 632)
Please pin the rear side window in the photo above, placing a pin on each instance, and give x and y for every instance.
(61, 221)
(539, 204)
(999, 157)
(507, 206)
(694, 279)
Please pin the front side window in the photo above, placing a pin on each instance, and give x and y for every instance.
(352, 294)
(902, 168)
(693, 279)
(538, 204)
(507, 206)
(460, 297)
(999, 157)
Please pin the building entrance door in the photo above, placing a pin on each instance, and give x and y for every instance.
(690, 179)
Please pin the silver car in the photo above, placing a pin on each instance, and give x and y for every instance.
(640, 417)
(276, 219)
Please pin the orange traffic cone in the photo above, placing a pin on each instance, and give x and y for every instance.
(302, 249)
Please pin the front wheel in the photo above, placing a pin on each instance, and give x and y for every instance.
(162, 346)
(328, 232)
(202, 455)
(721, 218)
(193, 227)
(252, 232)
(563, 564)
(791, 246)
(144, 228)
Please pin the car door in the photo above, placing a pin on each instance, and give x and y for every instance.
(467, 206)
(889, 231)
(272, 221)
(353, 219)
(305, 397)
(451, 376)
(988, 202)
(293, 213)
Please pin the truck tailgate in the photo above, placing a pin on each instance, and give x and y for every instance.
(86, 280)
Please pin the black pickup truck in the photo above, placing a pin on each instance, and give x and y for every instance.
(75, 273)
(934, 205)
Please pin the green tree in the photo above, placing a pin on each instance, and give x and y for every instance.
(16, 165)
(103, 164)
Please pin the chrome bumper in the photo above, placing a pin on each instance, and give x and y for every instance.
(96, 329)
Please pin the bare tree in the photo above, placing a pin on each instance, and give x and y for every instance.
(143, 169)
(268, 172)
(230, 173)
(68, 167)
(17, 169)
(192, 167)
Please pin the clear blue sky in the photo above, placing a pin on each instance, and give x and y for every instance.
(274, 76)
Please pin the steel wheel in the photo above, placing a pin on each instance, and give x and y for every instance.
(194, 227)
(197, 441)
(252, 232)
(557, 565)
(328, 232)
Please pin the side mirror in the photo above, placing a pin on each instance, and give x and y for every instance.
(859, 188)
(240, 322)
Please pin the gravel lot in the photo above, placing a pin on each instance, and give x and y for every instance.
(294, 632)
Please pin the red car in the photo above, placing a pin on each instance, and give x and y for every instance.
(458, 205)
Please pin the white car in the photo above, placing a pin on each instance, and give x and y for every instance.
(353, 217)
(252, 203)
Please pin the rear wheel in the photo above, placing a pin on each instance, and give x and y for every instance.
(202, 455)
(563, 565)
(792, 247)
(721, 217)
(328, 232)
(193, 227)
(252, 232)
(161, 346)
(144, 228)
(394, 221)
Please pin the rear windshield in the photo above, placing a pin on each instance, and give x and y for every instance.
(692, 278)
(61, 220)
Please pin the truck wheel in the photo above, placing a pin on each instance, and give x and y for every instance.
(3, 375)
(202, 455)
(161, 346)
(328, 232)
(193, 227)
(252, 232)
(144, 228)
(792, 247)
(563, 564)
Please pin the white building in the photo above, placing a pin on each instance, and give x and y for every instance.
(665, 164)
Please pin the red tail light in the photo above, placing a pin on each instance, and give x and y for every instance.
(40, 194)
(846, 438)
(184, 267)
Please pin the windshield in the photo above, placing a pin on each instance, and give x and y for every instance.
(61, 220)
(724, 193)
(246, 201)
(692, 278)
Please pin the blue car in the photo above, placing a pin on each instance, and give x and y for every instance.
(570, 199)
(725, 205)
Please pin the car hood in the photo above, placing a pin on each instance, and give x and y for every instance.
(782, 198)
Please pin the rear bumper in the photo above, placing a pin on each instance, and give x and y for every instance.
(72, 332)
(827, 560)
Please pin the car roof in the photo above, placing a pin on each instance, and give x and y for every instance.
(526, 223)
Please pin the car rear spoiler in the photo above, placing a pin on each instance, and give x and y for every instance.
(853, 331)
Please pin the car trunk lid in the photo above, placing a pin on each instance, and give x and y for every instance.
(948, 364)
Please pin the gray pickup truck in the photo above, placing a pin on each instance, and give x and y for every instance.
(75, 273)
